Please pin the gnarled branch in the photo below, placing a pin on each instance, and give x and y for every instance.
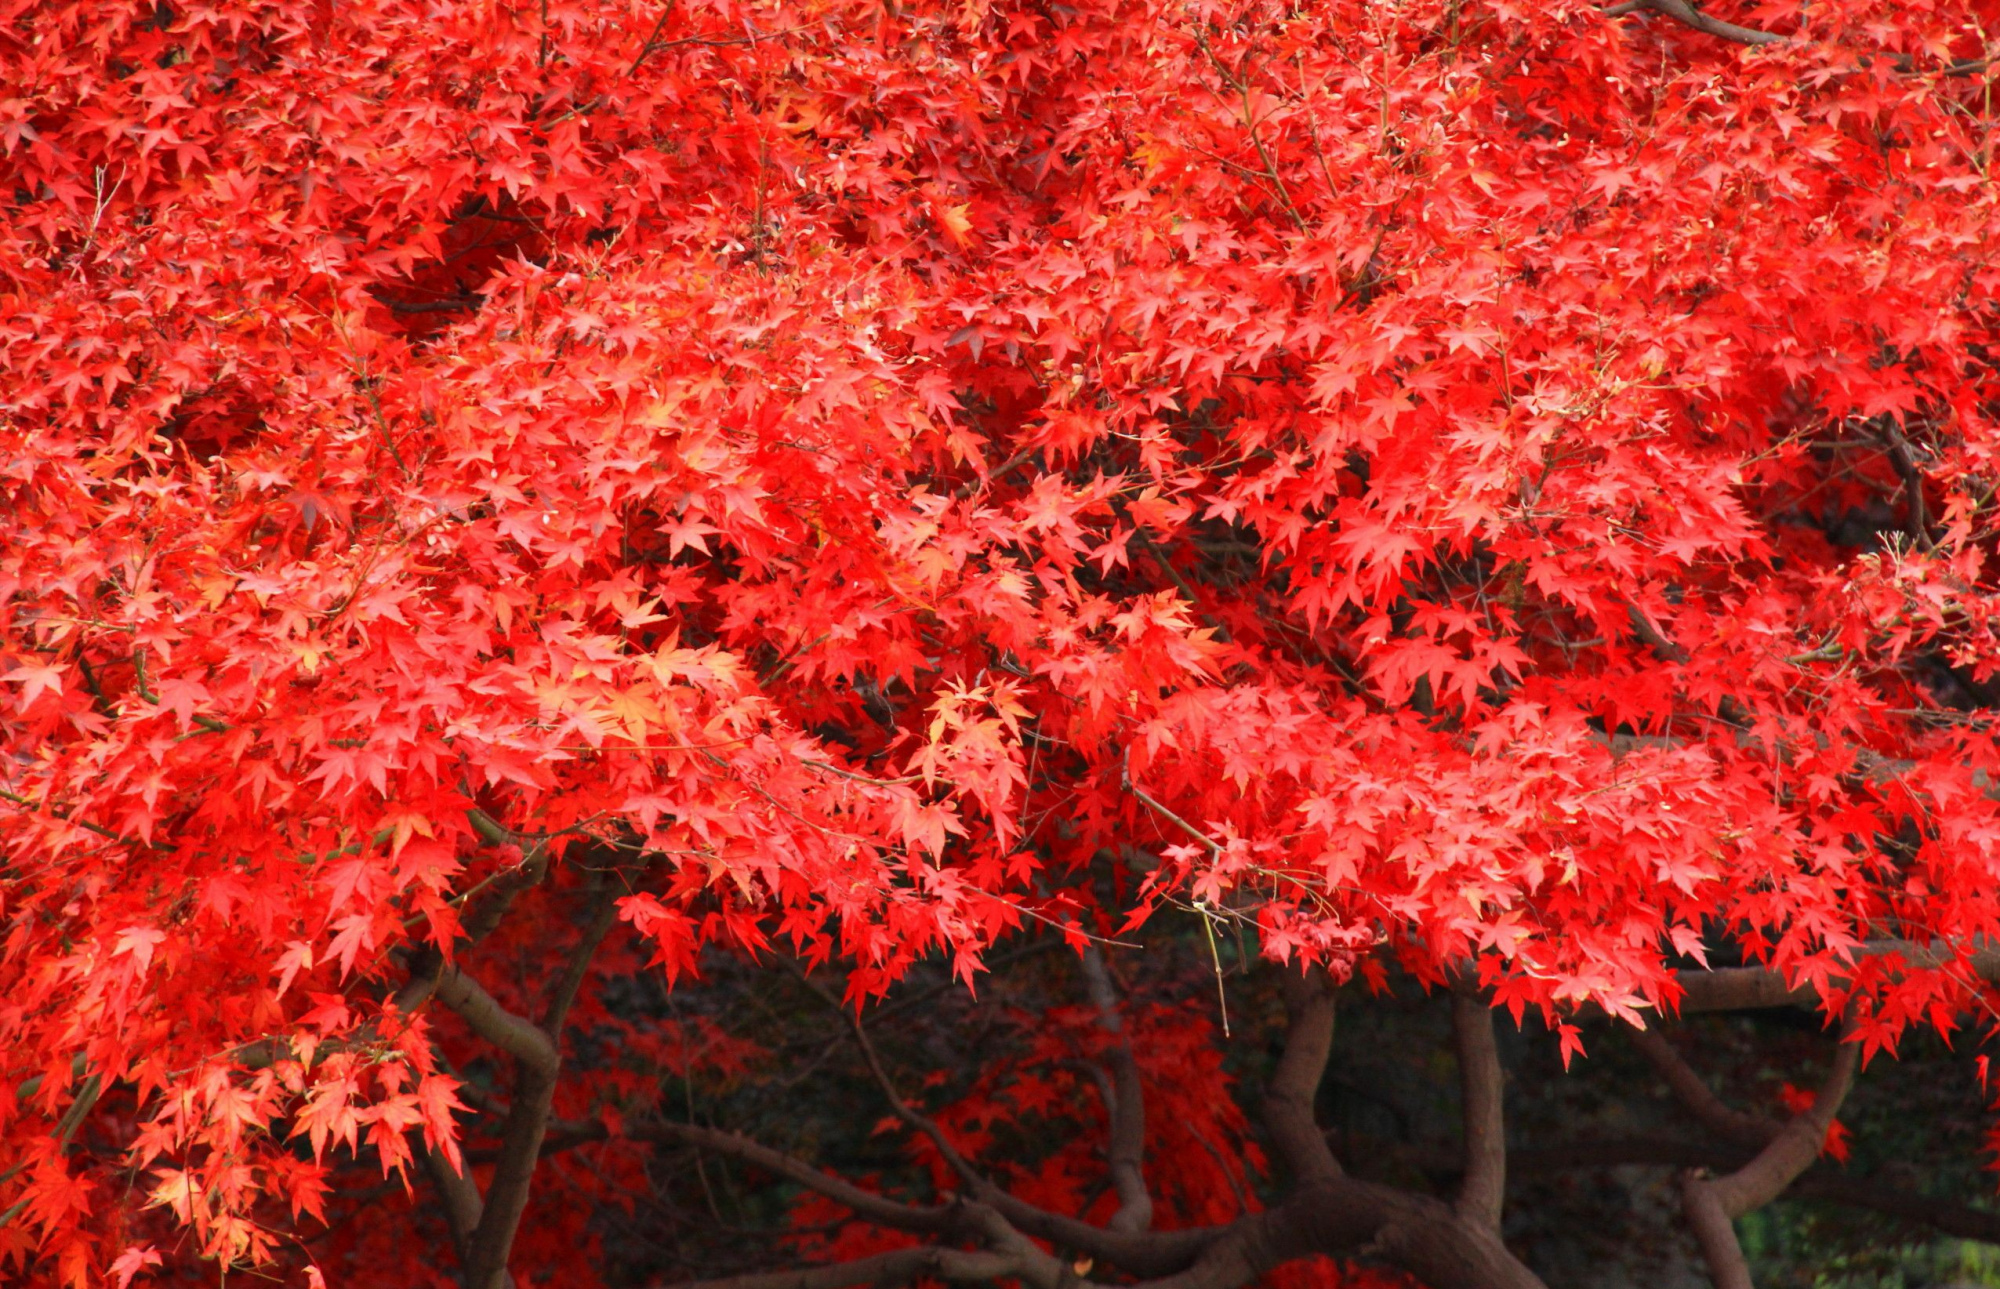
(862, 1203)
(1754, 988)
(537, 1062)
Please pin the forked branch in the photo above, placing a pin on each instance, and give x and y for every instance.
(1325, 1212)
(483, 1227)
(1713, 1204)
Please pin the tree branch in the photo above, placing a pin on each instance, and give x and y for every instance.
(862, 1203)
(1125, 1104)
(1327, 1211)
(900, 1108)
(1288, 1102)
(504, 887)
(1689, 16)
(458, 1196)
(1713, 1204)
(603, 913)
(1795, 1148)
(1725, 989)
(1751, 988)
(1694, 1094)
(537, 1062)
(1483, 1192)
(518, 1036)
(1139, 1252)
(897, 1267)
(1912, 477)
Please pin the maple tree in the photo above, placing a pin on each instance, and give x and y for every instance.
(499, 500)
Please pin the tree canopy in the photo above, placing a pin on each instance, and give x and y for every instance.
(507, 510)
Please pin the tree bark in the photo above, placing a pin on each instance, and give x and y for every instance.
(1482, 1194)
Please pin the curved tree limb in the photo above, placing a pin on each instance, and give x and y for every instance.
(458, 1196)
(1288, 1102)
(1689, 16)
(862, 1203)
(903, 1110)
(1695, 1096)
(1714, 1203)
(1754, 988)
(1326, 1211)
(1795, 1148)
(518, 1036)
(537, 1062)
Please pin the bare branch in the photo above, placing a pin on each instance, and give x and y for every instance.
(1483, 1192)
(1795, 1148)
(1288, 1102)
(458, 1196)
(1726, 989)
(1125, 1106)
(1751, 988)
(862, 1203)
(518, 1036)
(897, 1267)
(900, 1108)
(1713, 1204)
(1142, 1253)
(1642, 626)
(487, 901)
(1694, 1094)
(1905, 461)
(1689, 16)
(537, 1061)
(603, 912)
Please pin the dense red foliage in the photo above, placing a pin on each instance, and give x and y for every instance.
(1438, 481)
